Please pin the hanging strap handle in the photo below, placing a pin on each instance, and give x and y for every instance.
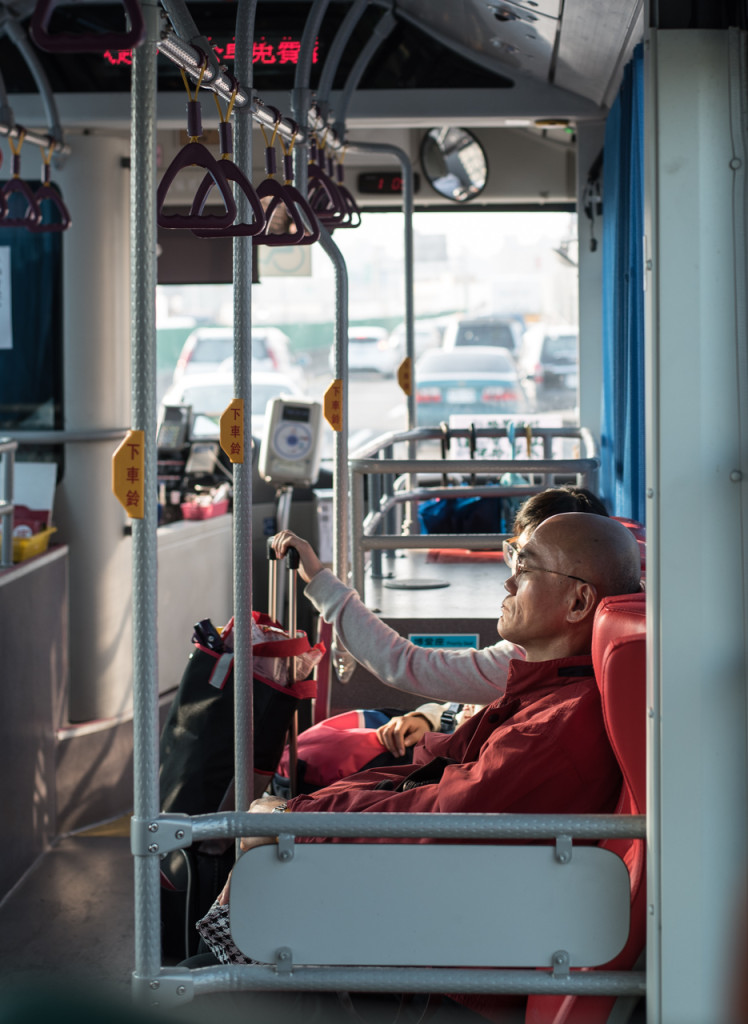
(85, 42)
(32, 215)
(232, 173)
(195, 154)
(278, 198)
(47, 193)
(324, 196)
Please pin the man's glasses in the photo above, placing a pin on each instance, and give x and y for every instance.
(511, 559)
(511, 551)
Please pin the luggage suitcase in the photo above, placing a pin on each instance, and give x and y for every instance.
(197, 749)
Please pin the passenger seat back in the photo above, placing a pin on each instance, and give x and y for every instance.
(619, 657)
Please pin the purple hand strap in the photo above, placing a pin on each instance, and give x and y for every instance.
(85, 42)
(324, 198)
(194, 154)
(278, 195)
(354, 214)
(310, 232)
(32, 214)
(232, 173)
(47, 193)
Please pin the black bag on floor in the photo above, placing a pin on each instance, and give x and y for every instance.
(197, 762)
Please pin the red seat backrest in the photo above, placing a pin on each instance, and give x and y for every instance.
(619, 657)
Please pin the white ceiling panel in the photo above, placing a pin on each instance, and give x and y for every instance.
(595, 43)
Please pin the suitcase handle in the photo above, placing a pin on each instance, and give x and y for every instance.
(292, 561)
(292, 555)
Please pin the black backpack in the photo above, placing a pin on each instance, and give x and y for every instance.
(196, 777)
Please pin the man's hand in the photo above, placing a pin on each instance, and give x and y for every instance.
(264, 805)
(309, 564)
(402, 732)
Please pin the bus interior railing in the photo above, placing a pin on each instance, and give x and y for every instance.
(179, 984)
(386, 490)
(7, 464)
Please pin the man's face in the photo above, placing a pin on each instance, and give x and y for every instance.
(534, 611)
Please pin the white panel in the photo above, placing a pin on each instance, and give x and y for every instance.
(595, 43)
(513, 905)
(696, 481)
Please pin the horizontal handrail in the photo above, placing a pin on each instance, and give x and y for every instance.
(490, 981)
(402, 476)
(477, 467)
(28, 437)
(532, 827)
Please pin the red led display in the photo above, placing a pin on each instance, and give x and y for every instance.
(263, 52)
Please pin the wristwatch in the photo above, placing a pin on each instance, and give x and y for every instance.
(448, 719)
(280, 809)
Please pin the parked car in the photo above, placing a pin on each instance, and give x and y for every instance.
(475, 380)
(206, 348)
(549, 364)
(501, 332)
(369, 348)
(427, 336)
(210, 393)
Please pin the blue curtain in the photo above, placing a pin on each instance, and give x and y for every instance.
(622, 440)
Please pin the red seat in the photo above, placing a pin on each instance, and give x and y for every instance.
(619, 656)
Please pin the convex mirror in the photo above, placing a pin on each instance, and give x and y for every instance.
(454, 162)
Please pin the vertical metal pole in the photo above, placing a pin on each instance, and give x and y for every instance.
(144, 547)
(7, 455)
(243, 669)
(340, 546)
(411, 523)
(300, 103)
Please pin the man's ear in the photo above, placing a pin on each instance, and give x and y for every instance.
(582, 603)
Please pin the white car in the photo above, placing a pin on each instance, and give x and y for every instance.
(210, 393)
(207, 349)
(369, 348)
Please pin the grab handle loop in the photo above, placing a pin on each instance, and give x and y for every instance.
(47, 193)
(85, 42)
(232, 173)
(31, 215)
(195, 154)
(324, 197)
(302, 228)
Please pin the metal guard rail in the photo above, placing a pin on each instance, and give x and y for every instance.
(400, 477)
(7, 457)
(174, 985)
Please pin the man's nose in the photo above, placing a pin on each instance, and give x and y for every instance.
(511, 584)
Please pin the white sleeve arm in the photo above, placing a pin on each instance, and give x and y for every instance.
(432, 712)
(465, 676)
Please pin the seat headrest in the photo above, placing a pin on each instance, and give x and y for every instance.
(619, 659)
(618, 616)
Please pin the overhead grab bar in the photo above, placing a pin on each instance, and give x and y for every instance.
(85, 42)
(195, 154)
(380, 32)
(336, 51)
(55, 136)
(232, 173)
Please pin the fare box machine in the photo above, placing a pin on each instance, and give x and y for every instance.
(290, 452)
(291, 443)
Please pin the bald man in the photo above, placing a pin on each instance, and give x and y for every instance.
(542, 747)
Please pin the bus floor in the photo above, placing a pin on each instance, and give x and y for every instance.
(69, 921)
